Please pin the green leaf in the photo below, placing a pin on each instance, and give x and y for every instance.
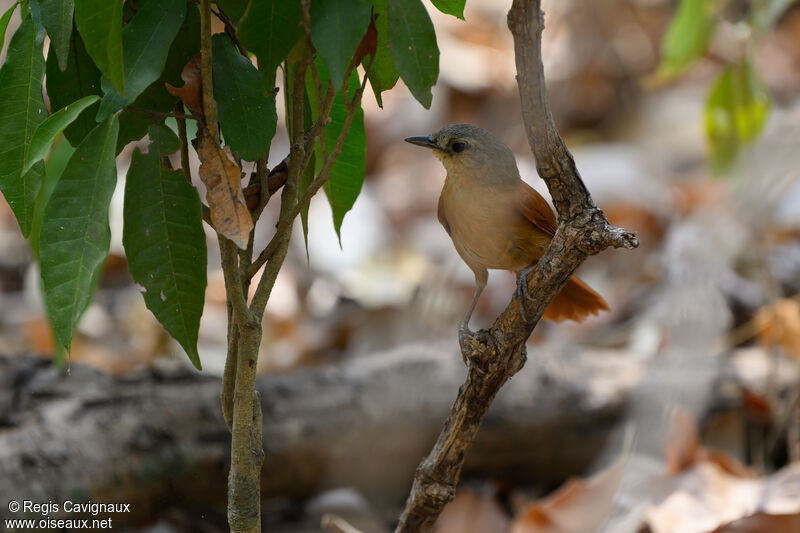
(248, 117)
(412, 41)
(165, 242)
(383, 74)
(21, 111)
(451, 7)
(56, 18)
(687, 37)
(75, 235)
(146, 41)
(79, 80)
(337, 27)
(234, 8)
(100, 25)
(269, 29)
(347, 171)
(736, 112)
(4, 23)
(53, 168)
(133, 126)
(48, 130)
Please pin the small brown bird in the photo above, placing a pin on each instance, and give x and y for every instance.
(495, 219)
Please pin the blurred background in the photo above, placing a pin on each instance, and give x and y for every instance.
(699, 351)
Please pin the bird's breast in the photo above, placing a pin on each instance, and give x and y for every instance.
(486, 226)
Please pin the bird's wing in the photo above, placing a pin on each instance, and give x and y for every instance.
(535, 209)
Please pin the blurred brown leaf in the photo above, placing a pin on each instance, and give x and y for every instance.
(579, 506)
(191, 94)
(472, 512)
(229, 213)
(683, 449)
(762, 523)
(779, 324)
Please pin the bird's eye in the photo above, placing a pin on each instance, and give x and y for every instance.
(459, 146)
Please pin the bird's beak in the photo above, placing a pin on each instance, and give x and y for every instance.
(427, 142)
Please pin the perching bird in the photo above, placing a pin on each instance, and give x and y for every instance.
(495, 219)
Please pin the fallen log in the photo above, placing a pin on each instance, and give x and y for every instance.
(156, 440)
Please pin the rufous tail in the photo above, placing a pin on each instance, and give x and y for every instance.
(575, 302)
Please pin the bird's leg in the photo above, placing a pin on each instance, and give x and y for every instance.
(522, 288)
(463, 327)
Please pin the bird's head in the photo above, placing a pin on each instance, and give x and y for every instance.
(465, 149)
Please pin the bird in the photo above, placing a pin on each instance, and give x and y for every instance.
(495, 219)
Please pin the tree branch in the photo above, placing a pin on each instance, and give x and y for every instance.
(496, 354)
(284, 225)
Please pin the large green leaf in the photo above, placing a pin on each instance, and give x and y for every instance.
(146, 41)
(100, 25)
(347, 171)
(75, 235)
(56, 18)
(133, 126)
(164, 240)
(248, 117)
(687, 37)
(383, 74)
(412, 41)
(54, 167)
(48, 130)
(736, 112)
(21, 111)
(79, 80)
(451, 7)
(337, 27)
(269, 29)
(4, 23)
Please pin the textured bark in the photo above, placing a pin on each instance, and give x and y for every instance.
(158, 440)
(496, 354)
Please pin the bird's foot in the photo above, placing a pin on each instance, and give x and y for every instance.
(464, 336)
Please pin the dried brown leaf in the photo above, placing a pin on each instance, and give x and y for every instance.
(191, 94)
(578, 506)
(779, 324)
(229, 213)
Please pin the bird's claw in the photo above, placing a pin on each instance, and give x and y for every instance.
(522, 290)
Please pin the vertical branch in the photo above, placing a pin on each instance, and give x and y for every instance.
(206, 70)
(496, 354)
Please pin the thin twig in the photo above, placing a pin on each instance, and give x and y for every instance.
(206, 71)
(337, 524)
(230, 29)
(324, 175)
(161, 114)
(496, 354)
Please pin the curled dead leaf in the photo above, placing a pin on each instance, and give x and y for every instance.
(222, 178)
(191, 94)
